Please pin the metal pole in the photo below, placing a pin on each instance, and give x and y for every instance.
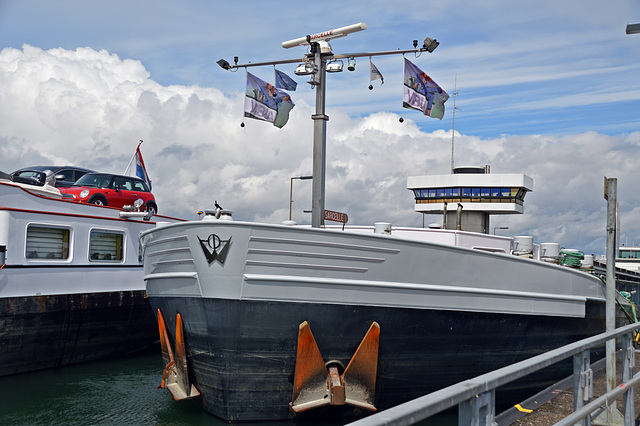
(319, 143)
(611, 188)
(332, 56)
(453, 126)
(290, 198)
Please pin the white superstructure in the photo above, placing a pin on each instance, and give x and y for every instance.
(474, 192)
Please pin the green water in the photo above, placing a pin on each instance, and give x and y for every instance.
(121, 391)
(115, 392)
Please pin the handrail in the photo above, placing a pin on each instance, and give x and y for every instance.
(467, 393)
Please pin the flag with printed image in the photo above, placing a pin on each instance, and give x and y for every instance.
(284, 82)
(374, 74)
(263, 101)
(421, 92)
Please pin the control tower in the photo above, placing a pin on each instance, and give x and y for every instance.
(466, 198)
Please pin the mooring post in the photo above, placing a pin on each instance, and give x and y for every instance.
(611, 189)
(611, 415)
(628, 364)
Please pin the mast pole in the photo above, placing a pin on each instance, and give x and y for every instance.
(319, 141)
(453, 126)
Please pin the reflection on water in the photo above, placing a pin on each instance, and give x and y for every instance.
(120, 391)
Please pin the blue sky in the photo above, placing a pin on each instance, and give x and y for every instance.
(522, 67)
(546, 88)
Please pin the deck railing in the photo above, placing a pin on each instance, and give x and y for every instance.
(476, 397)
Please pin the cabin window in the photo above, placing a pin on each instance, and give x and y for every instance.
(106, 245)
(629, 254)
(44, 242)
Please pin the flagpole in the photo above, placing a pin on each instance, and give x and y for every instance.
(320, 119)
(132, 157)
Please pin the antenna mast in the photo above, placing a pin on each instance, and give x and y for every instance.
(453, 126)
(315, 64)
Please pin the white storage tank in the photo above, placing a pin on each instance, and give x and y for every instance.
(382, 228)
(523, 246)
(550, 252)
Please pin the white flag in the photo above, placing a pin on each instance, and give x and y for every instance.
(374, 73)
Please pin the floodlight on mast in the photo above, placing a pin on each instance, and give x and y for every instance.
(633, 29)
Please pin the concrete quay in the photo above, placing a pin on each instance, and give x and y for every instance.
(556, 402)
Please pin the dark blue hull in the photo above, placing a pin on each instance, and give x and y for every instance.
(41, 332)
(242, 354)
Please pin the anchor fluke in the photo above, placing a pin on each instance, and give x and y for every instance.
(175, 376)
(360, 374)
(317, 383)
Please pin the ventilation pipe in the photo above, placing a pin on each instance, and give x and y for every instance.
(444, 218)
(459, 217)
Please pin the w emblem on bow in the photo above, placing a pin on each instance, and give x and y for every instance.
(214, 248)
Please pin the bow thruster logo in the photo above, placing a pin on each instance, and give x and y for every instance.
(214, 248)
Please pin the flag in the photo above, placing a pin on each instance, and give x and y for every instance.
(421, 92)
(264, 102)
(374, 74)
(284, 82)
(140, 169)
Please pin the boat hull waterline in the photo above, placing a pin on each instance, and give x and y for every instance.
(57, 330)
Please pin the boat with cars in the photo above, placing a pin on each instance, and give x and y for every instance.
(71, 280)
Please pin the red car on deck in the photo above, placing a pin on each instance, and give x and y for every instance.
(104, 189)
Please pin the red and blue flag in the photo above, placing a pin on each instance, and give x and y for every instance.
(140, 170)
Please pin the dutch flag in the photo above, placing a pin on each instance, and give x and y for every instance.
(141, 170)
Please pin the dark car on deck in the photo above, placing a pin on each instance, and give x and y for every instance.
(65, 175)
(111, 190)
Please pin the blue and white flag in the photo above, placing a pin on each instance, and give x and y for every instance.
(284, 82)
(421, 92)
(264, 102)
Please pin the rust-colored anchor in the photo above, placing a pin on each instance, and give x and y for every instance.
(175, 376)
(317, 384)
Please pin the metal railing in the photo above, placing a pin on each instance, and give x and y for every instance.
(476, 397)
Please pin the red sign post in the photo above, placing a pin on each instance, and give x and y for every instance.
(335, 216)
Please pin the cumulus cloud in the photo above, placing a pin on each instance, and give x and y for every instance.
(90, 108)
